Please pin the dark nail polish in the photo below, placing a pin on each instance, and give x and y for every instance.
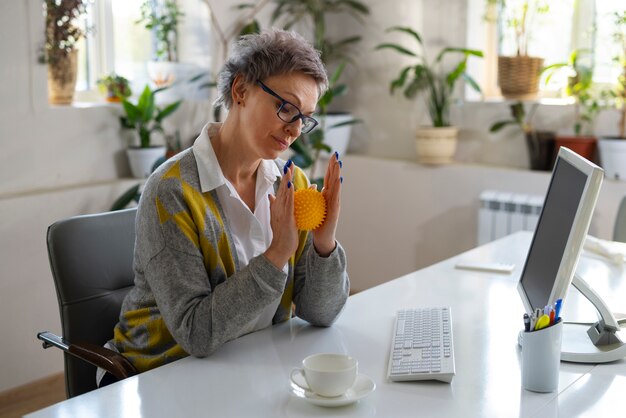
(285, 168)
(341, 179)
(289, 185)
(289, 163)
(340, 164)
(337, 155)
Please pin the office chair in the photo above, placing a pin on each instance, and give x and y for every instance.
(91, 258)
(619, 232)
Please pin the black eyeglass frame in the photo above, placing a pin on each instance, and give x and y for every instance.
(305, 119)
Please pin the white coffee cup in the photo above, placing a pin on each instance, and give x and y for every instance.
(327, 374)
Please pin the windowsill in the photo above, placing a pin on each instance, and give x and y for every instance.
(88, 104)
(547, 101)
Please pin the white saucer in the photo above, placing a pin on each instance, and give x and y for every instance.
(363, 386)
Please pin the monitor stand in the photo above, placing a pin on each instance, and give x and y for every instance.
(598, 343)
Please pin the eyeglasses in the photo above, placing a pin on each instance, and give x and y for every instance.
(288, 112)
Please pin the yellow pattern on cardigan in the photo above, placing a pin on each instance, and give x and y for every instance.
(192, 224)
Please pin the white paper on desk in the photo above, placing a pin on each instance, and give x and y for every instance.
(613, 251)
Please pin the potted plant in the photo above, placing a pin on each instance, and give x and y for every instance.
(145, 118)
(162, 19)
(586, 105)
(436, 144)
(62, 36)
(115, 88)
(613, 148)
(541, 150)
(335, 127)
(518, 75)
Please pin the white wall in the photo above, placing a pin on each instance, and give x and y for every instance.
(55, 162)
(62, 161)
(398, 216)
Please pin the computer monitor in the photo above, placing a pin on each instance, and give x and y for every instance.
(551, 262)
(561, 230)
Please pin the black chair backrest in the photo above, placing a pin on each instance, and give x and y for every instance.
(91, 258)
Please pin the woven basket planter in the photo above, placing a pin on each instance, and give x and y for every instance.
(518, 77)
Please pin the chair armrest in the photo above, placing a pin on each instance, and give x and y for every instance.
(109, 360)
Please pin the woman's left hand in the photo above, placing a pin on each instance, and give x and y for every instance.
(324, 236)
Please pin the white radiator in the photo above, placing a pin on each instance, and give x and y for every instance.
(502, 213)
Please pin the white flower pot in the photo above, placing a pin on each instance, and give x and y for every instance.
(436, 146)
(613, 157)
(142, 160)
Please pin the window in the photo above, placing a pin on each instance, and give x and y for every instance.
(606, 71)
(567, 25)
(114, 43)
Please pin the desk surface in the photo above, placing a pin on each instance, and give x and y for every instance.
(249, 376)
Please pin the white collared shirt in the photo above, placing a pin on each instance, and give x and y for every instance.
(251, 232)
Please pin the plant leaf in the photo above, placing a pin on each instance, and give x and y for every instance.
(398, 48)
(168, 110)
(499, 125)
(128, 196)
(408, 30)
(337, 73)
(471, 82)
(465, 51)
(345, 123)
(456, 73)
(132, 113)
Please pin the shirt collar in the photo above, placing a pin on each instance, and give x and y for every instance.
(209, 170)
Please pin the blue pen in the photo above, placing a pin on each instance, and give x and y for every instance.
(557, 309)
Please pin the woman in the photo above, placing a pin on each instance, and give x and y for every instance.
(217, 252)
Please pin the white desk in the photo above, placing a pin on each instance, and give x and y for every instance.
(249, 376)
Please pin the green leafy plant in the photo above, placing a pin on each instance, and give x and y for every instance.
(62, 32)
(163, 19)
(518, 118)
(540, 143)
(145, 117)
(115, 87)
(519, 17)
(314, 13)
(430, 78)
(580, 87)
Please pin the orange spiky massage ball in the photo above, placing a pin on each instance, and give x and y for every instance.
(309, 208)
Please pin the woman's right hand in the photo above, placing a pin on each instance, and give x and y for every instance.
(283, 221)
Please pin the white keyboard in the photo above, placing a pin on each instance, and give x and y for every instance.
(422, 347)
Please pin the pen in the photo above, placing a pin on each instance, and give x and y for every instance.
(557, 309)
(526, 322)
(533, 321)
(552, 316)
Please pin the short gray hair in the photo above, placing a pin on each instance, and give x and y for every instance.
(271, 52)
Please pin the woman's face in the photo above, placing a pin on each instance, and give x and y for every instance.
(264, 132)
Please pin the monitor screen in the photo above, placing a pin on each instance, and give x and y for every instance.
(561, 230)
